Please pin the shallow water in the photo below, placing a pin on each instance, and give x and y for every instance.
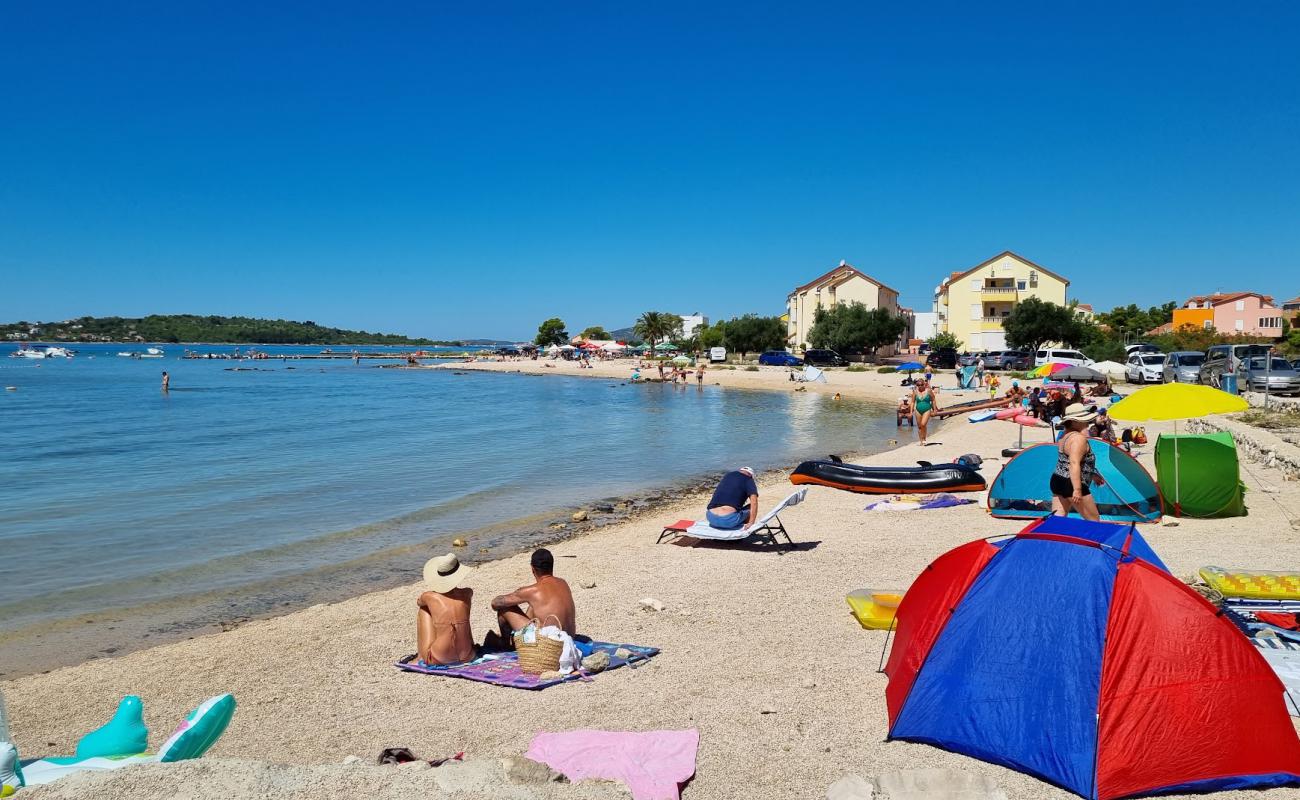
(118, 496)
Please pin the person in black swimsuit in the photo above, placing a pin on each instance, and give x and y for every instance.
(1076, 467)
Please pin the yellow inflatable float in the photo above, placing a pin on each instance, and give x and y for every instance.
(1254, 584)
(874, 610)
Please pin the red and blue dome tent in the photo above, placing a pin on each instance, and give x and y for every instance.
(1070, 653)
(1022, 489)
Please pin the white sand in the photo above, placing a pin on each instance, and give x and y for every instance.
(742, 634)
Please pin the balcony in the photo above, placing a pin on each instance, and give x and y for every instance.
(998, 293)
(991, 324)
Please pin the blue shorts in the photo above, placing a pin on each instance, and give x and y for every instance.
(728, 522)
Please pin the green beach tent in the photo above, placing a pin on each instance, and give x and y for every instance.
(1208, 479)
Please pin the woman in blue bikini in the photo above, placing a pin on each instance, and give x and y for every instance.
(924, 403)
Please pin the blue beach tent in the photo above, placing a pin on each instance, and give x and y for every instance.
(1067, 653)
(1021, 490)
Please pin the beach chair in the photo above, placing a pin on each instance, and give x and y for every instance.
(766, 528)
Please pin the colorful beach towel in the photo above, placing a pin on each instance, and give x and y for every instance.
(915, 502)
(1279, 646)
(653, 765)
(502, 669)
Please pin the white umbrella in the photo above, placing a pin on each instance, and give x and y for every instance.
(1110, 369)
(814, 375)
(555, 348)
(613, 346)
(567, 347)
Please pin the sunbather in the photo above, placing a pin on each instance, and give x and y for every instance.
(442, 631)
(548, 596)
(735, 501)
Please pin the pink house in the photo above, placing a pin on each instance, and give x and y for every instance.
(1247, 313)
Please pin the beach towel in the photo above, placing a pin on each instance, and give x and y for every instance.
(1282, 652)
(502, 669)
(652, 764)
(912, 502)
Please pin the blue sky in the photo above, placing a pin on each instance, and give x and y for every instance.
(458, 172)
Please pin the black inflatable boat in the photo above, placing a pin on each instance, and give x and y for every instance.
(924, 479)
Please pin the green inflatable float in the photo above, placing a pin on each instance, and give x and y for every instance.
(1199, 475)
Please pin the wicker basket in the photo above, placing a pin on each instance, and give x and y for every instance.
(543, 655)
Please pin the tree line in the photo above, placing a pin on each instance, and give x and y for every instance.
(209, 329)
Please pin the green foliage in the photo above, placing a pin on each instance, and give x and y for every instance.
(658, 326)
(753, 334)
(852, 328)
(1034, 322)
(943, 340)
(551, 332)
(751, 368)
(1130, 323)
(595, 332)
(855, 368)
(711, 335)
(202, 329)
(886, 370)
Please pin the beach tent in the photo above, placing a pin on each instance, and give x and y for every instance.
(1208, 478)
(966, 377)
(1129, 494)
(1064, 654)
(814, 375)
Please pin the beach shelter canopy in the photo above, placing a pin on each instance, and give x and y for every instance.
(1064, 654)
(1077, 373)
(683, 360)
(665, 346)
(567, 347)
(1050, 368)
(908, 366)
(613, 346)
(1022, 491)
(814, 375)
(1175, 401)
(1111, 369)
(1208, 474)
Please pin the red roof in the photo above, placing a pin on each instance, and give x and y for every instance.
(1218, 298)
(846, 268)
(957, 275)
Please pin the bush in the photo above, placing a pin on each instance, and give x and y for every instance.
(751, 368)
(886, 370)
(855, 368)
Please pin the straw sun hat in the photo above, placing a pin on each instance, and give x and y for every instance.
(1079, 412)
(444, 573)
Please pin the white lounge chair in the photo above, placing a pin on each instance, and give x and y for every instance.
(766, 527)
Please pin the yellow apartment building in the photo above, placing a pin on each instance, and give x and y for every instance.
(971, 304)
(843, 284)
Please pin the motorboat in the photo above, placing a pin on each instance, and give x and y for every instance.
(29, 352)
(59, 352)
(152, 352)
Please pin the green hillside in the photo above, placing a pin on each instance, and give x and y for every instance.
(198, 329)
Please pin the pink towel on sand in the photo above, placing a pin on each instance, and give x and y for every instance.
(652, 764)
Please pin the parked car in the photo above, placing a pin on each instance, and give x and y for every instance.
(824, 358)
(1053, 356)
(1008, 359)
(1296, 363)
(1223, 358)
(923, 349)
(943, 358)
(1144, 367)
(968, 359)
(1255, 373)
(1183, 366)
(1140, 347)
(780, 358)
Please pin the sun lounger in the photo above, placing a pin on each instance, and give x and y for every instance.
(765, 528)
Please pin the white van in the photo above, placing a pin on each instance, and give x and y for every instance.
(1071, 357)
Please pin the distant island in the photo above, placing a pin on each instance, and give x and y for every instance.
(193, 328)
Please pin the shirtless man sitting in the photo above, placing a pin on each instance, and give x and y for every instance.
(547, 596)
(442, 631)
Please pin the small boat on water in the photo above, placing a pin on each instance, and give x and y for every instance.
(149, 352)
(29, 352)
(926, 478)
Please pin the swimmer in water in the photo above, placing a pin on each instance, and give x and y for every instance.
(167, 382)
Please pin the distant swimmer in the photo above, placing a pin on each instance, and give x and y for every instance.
(167, 382)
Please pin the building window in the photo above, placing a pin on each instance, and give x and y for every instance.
(1241, 325)
(975, 310)
(1209, 325)
(1270, 322)
(1020, 285)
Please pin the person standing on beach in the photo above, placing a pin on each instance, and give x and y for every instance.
(442, 631)
(979, 371)
(924, 404)
(167, 382)
(699, 374)
(547, 596)
(1076, 467)
(735, 502)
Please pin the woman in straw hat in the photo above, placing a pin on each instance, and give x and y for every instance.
(1076, 466)
(442, 631)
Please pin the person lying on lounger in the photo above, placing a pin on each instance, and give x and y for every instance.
(735, 501)
(442, 633)
(547, 596)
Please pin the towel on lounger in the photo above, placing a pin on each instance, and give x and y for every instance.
(653, 765)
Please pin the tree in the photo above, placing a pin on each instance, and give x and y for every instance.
(551, 332)
(942, 340)
(657, 326)
(853, 328)
(595, 332)
(1034, 322)
(754, 334)
(712, 335)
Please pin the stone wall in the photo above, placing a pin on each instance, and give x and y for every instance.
(1256, 444)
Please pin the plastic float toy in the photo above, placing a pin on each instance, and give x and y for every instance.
(874, 610)
(1255, 584)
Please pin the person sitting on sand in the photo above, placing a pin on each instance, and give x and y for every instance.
(1015, 394)
(442, 633)
(1102, 389)
(735, 502)
(905, 411)
(547, 596)
(1102, 427)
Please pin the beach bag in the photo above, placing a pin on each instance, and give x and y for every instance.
(1139, 436)
(538, 653)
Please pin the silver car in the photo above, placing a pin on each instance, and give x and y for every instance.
(1254, 373)
(1183, 366)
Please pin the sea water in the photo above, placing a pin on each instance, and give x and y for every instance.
(256, 485)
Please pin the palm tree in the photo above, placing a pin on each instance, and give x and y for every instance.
(656, 326)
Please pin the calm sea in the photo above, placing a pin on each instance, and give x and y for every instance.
(244, 491)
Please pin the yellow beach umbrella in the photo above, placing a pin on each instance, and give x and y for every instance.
(1175, 401)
